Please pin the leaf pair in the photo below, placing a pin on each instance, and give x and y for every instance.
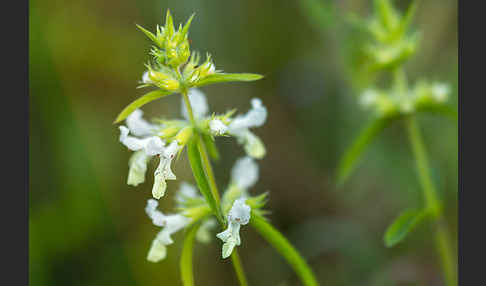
(212, 79)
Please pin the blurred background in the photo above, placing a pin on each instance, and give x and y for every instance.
(87, 227)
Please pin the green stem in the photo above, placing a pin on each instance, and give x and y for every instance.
(188, 107)
(432, 202)
(240, 273)
(237, 265)
(209, 170)
(187, 275)
(283, 246)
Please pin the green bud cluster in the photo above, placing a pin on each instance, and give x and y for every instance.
(172, 47)
(174, 67)
(392, 43)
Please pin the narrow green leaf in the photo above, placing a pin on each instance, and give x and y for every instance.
(187, 275)
(153, 95)
(353, 153)
(227, 77)
(283, 246)
(200, 176)
(402, 225)
(211, 147)
(149, 34)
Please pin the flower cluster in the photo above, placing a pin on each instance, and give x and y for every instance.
(175, 69)
(192, 208)
(166, 138)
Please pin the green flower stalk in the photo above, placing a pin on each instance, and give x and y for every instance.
(174, 68)
(390, 46)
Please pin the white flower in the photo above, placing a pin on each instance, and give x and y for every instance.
(369, 98)
(239, 127)
(244, 173)
(198, 103)
(254, 118)
(238, 215)
(139, 126)
(137, 168)
(152, 145)
(163, 171)
(186, 191)
(440, 91)
(217, 127)
(170, 224)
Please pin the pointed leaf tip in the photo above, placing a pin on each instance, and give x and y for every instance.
(148, 97)
(403, 225)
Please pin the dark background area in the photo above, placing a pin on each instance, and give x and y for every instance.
(87, 227)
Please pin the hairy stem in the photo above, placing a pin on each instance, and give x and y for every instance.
(240, 273)
(209, 170)
(442, 237)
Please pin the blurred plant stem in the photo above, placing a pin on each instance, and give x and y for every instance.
(442, 236)
(235, 258)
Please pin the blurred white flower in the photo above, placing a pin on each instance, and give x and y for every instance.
(245, 173)
(170, 224)
(217, 127)
(198, 102)
(239, 127)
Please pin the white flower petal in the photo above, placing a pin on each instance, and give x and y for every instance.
(154, 146)
(157, 252)
(137, 168)
(245, 173)
(198, 103)
(240, 212)
(163, 171)
(217, 127)
(139, 126)
(186, 191)
(255, 117)
(368, 98)
(251, 143)
(440, 91)
(238, 215)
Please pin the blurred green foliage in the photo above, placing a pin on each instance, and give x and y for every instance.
(87, 227)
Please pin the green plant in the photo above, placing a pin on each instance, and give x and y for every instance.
(391, 45)
(174, 69)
